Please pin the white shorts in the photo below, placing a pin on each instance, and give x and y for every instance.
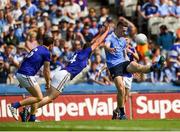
(127, 82)
(60, 79)
(26, 81)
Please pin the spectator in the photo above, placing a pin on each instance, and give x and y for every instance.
(47, 27)
(11, 39)
(55, 33)
(102, 70)
(3, 71)
(43, 6)
(33, 25)
(58, 17)
(79, 26)
(87, 35)
(156, 76)
(55, 64)
(61, 3)
(70, 37)
(23, 14)
(170, 71)
(94, 27)
(10, 23)
(92, 13)
(66, 54)
(40, 35)
(38, 18)
(83, 6)
(26, 23)
(16, 13)
(19, 31)
(93, 75)
(177, 9)
(72, 10)
(165, 39)
(31, 42)
(163, 9)
(149, 9)
(2, 22)
(104, 14)
(63, 28)
(31, 8)
(19, 56)
(52, 10)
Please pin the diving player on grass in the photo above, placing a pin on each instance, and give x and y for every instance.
(38, 57)
(78, 62)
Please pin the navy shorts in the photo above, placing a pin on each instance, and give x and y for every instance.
(119, 69)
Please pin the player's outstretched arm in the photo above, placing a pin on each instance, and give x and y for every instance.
(99, 39)
(46, 73)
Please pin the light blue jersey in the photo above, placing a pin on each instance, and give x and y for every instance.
(113, 59)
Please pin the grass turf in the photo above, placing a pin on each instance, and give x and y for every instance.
(101, 125)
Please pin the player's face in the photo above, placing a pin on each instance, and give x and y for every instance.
(121, 31)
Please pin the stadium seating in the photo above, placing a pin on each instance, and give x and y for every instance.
(153, 24)
(130, 7)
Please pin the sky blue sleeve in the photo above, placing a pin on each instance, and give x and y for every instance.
(108, 39)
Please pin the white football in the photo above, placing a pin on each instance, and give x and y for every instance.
(141, 39)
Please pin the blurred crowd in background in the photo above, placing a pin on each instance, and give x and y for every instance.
(72, 23)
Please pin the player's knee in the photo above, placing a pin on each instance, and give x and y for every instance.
(121, 92)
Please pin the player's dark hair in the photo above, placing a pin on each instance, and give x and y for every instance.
(122, 23)
(47, 41)
(86, 45)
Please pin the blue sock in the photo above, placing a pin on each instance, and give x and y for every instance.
(32, 118)
(16, 105)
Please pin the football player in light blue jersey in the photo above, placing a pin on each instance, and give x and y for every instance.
(118, 65)
(38, 57)
(77, 63)
(127, 78)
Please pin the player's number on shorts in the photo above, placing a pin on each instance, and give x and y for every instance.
(32, 52)
(73, 59)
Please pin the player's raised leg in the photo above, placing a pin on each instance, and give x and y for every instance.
(134, 67)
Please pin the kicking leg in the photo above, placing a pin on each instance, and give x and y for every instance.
(134, 67)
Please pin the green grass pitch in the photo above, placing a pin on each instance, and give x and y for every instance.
(100, 125)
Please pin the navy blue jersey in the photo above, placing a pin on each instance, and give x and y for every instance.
(34, 60)
(131, 58)
(78, 62)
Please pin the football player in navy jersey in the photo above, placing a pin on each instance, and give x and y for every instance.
(77, 63)
(38, 57)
